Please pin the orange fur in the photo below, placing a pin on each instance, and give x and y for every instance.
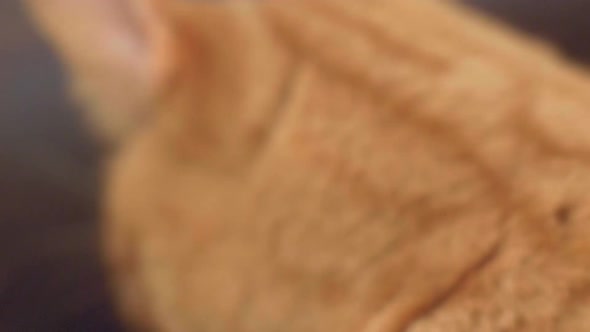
(374, 166)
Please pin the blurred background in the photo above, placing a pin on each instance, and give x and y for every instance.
(50, 275)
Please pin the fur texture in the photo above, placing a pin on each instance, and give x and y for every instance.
(374, 166)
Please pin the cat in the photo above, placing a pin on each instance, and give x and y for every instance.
(333, 165)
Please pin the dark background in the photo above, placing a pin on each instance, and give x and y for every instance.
(50, 276)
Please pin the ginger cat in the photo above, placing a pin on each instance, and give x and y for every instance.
(334, 165)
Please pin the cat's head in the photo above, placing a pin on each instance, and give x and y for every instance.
(210, 66)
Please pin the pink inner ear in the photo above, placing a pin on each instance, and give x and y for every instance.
(123, 35)
(111, 28)
(108, 45)
(116, 19)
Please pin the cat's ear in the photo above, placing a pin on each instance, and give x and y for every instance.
(216, 67)
(113, 49)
